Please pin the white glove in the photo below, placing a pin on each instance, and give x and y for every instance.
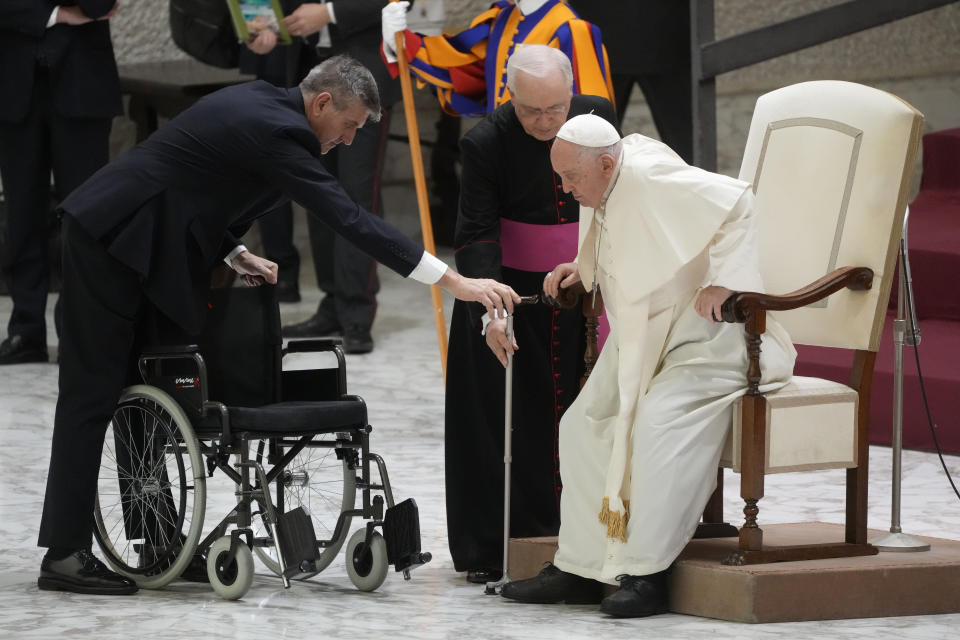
(393, 18)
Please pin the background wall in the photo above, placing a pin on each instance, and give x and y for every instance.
(917, 58)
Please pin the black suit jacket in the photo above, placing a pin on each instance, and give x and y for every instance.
(356, 33)
(83, 71)
(174, 205)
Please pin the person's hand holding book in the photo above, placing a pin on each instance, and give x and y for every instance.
(263, 42)
(307, 19)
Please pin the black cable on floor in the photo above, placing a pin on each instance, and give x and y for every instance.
(923, 391)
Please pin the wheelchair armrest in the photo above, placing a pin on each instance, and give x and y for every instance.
(312, 345)
(156, 350)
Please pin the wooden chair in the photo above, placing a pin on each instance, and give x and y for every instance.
(831, 164)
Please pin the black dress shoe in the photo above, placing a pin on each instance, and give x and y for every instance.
(196, 571)
(16, 350)
(483, 576)
(82, 572)
(357, 340)
(552, 586)
(638, 596)
(315, 325)
(288, 291)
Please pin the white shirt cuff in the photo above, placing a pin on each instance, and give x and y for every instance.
(233, 254)
(333, 16)
(429, 269)
(52, 20)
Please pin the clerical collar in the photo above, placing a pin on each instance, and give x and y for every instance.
(613, 181)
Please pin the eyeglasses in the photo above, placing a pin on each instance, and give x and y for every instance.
(531, 112)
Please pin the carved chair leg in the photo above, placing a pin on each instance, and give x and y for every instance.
(753, 454)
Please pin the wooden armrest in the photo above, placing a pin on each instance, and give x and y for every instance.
(742, 305)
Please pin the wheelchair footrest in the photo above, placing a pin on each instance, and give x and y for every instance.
(298, 542)
(401, 530)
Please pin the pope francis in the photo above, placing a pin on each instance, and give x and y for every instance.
(667, 243)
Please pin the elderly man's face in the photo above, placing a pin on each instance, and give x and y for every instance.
(541, 104)
(334, 126)
(585, 176)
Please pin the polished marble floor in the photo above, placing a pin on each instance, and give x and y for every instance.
(401, 382)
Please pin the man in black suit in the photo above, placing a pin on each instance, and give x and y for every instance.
(146, 230)
(347, 276)
(60, 90)
(648, 42)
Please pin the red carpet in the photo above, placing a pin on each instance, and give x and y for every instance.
(934, 244)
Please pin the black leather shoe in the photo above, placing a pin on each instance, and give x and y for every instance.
(288, 291)
(552, 586)
(315, 325)
(82, 572)
(357, 340)
(483, 576)
(638, 596)
(16, 350)
(196, 571)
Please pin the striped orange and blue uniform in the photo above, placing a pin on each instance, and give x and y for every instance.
(469, 69)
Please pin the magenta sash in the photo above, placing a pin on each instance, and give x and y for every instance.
(537, 247)
(541, 247)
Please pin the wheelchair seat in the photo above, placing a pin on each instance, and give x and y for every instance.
(298, 418)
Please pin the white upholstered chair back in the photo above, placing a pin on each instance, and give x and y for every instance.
(827, 161)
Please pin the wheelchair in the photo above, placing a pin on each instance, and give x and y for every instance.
(294, 443)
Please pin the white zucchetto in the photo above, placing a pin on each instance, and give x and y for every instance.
(588, 130)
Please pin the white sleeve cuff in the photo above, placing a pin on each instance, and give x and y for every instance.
(485, 319)
(429, 270)
(52, 20)
(333, 16)
(233, 254)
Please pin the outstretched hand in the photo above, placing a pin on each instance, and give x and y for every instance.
(254, 270)
(497, 298)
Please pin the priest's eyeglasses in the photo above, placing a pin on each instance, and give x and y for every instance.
(532, 112)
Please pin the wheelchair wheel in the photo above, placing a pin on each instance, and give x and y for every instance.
(230, 581)
(151, 491)
(326, 486)
(367, 564)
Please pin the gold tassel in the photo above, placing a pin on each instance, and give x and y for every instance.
(615, 521)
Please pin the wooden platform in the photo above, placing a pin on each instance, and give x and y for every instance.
(888, 584)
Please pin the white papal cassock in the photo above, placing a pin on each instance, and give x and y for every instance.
(640, 446)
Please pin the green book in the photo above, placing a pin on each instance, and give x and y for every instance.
(251, 16)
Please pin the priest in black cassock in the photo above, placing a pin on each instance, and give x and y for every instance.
(514, 224)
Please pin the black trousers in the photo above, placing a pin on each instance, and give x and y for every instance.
(102, 302)
(669, 97)
(73, 149)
